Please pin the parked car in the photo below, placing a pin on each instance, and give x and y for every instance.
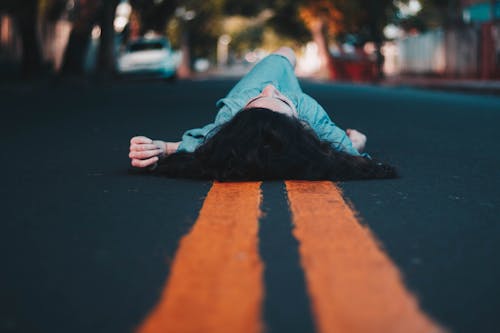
(149, 56)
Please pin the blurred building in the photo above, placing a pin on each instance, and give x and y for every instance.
(469, 47)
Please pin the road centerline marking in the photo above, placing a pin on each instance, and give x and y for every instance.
(216, 280)
(353, 285)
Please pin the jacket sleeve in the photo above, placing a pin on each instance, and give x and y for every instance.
(193, 138)
(325, 128)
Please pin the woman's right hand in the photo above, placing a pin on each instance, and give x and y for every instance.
(358, 139)
(145, 152)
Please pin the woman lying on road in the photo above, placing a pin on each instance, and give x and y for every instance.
(266, 128)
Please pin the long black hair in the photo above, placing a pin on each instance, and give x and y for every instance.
(260, 144)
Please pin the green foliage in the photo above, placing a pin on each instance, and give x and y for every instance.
(286, 20)
(52, 9)
(434, 13)
(361, 19)
(245, 34)
(246, 8)
(154, 15)
(364, 19)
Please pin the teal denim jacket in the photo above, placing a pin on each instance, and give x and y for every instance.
(276, 70)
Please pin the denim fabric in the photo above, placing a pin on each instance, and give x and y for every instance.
(276, 70)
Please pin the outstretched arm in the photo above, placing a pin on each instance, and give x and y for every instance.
(193, 138)
(352, 141)
(145, 151)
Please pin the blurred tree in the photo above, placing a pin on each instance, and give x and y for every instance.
(86, 14)
(245, 21)
(327, 20)
(287, 21)
(26, 15)
(53, 9)
(246, 8)
(323, 20)
(106, 57)
(251, 32)
(434, 13)
(446, 12)
(378, 14)
(200, 30)
(194, 25)
(154, 14)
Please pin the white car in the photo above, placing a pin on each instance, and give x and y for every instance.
(149, 56)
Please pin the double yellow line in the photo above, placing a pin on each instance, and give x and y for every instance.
(216, 279)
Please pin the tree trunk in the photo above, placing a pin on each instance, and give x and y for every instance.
(74, 55)
(106, 54)
(377, 36)
(320, 37)
(184, 70)
(27, 17)
(379, 60)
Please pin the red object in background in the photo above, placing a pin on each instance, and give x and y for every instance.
(355, 68)
(488, 66)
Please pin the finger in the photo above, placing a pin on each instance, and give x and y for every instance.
(140, 139)
(144, 154)
(144, 163)
(143, 146)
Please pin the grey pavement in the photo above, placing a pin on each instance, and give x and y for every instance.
(85, 244)
(459, 85)
(471, 86)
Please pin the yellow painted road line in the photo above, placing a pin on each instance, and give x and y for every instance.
(353, 285)
(215, 282)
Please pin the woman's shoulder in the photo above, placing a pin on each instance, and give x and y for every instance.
(305, 104)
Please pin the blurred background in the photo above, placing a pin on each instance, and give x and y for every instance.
(350, 40)
(87, 246)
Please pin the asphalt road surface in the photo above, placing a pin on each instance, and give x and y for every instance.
(86, 246)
